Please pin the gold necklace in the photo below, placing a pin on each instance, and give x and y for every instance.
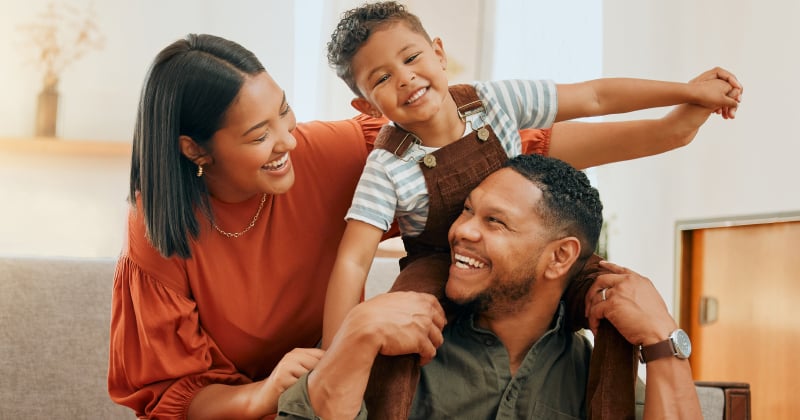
(250, 226)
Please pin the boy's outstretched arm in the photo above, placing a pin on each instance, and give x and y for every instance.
(346, 286)
(620, 95)
(587, 144)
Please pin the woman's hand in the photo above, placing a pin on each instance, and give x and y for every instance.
(289, 369)
(255, 399)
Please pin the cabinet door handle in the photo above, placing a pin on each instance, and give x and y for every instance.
(709, 309)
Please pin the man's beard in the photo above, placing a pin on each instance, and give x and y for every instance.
(502, 298)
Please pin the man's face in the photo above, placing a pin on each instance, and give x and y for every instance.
(497, 242)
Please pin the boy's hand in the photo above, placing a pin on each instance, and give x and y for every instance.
(734, 91)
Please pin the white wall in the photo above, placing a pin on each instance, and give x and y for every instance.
(557, 41)
(737, 167)
(733, 168)
(100, 91)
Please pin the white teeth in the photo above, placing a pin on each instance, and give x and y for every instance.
(277, 164)
(417, 95)
(467, 262)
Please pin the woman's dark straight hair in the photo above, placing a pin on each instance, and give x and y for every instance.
(188, 90)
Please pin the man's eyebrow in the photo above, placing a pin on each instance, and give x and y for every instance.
(263, 123)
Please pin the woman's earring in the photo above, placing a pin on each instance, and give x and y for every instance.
(199, 170)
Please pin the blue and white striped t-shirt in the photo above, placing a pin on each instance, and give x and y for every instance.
(392, 187)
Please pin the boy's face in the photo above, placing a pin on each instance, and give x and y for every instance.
(401, 75)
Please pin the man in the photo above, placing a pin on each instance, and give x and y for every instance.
(523, 231)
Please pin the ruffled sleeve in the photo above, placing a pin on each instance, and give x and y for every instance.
(536, 141)
(159, 355)
(370, 126)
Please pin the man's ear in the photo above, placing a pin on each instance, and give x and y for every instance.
(363, 106)
(562, 256)
(193, 151)
(438, 49)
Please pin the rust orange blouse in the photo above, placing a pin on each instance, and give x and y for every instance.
(231, 312)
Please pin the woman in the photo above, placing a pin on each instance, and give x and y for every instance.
(236, 215)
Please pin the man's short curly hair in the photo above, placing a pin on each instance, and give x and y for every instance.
(570, 205)
(355, 28)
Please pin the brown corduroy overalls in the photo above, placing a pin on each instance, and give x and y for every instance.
(451, 172)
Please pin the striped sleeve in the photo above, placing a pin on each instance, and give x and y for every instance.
(375, 199)
(528, 103)
(390, 188)
(513, 105)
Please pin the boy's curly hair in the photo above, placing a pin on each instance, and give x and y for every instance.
(355, 28)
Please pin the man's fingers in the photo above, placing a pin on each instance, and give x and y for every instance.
(617, 269)
(594, 317)
(428, 344)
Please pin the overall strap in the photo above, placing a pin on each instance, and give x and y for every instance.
(398, 140)
(466, 99)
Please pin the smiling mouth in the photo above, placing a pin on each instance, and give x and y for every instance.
(277, 164)
(418, 94)
(467, 262)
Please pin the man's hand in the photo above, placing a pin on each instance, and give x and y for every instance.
(632, 304)
(400, 323)
(390, 324)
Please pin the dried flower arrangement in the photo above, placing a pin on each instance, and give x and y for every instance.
(61, 35)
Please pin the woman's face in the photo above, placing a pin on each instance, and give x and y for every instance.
(250, 153)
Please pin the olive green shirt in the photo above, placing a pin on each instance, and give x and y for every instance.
(470, 378)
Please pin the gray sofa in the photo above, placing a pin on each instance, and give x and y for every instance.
(54, 323)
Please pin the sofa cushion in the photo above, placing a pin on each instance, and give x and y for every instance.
(54, 326)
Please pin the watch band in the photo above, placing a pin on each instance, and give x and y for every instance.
(677, 344)
(656, 351)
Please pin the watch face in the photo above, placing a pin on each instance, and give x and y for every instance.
(683, 346)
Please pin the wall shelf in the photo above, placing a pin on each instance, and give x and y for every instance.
(59, 146)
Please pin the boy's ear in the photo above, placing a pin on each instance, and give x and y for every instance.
(438, 48)
(363, 106)
(193, 151)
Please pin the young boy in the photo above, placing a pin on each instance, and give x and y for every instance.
(442, 142)
(445, 139)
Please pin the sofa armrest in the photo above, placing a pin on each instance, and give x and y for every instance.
(732, 397)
